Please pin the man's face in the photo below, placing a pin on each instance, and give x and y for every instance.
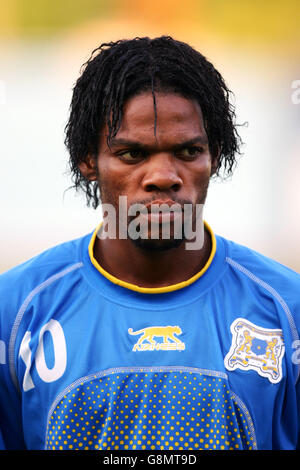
(171, 165)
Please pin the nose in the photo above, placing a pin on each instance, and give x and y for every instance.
(161, 174)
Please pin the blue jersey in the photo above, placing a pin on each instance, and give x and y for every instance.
(88, 361)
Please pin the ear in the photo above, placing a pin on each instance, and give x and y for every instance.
(88, 168)
(215, 162)
(214, 166)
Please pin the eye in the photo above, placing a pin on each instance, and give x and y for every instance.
(131, 155)
(190, 152)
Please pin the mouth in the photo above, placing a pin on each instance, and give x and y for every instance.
(160, 205)
(162, 211)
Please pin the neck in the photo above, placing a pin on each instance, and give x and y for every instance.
(150, 269)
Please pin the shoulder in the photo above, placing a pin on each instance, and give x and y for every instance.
(48, 262)
(270, 290)
(23, 280)
(266, 275)
(258, 266)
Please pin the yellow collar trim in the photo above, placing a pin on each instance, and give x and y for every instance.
(152, 290)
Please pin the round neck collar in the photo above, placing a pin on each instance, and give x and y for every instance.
(152, 290)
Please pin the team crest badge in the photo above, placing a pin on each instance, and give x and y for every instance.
(256, 348)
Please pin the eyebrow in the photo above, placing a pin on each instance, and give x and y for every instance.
(199, 139)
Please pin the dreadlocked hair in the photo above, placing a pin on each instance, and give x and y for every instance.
(119, 70)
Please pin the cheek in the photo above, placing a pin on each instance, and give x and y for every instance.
(112, 182)
(199, 181)
(201, 172)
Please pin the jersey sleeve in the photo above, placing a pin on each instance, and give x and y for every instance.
(294, 357)
(290, 423)
(11, 435)
(296, 362)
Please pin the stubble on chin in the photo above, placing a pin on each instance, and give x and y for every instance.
(152, 245)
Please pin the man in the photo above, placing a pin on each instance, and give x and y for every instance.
(152, 332)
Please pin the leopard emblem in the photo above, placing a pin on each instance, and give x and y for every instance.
(147, 342)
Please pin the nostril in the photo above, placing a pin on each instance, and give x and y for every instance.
(153, 187)
(176, 187)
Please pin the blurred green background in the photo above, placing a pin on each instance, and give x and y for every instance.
(254, 44)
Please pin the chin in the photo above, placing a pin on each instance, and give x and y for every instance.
(157, 245)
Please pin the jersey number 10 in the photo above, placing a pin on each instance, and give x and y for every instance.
(60, 355)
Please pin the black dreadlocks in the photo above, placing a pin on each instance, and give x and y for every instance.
(119, 70)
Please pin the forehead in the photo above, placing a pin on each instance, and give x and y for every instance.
(175, 115)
